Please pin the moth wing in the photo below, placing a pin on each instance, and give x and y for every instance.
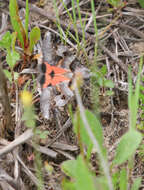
(58, 70)
(58, 79)
(49, 68)
(47, 82)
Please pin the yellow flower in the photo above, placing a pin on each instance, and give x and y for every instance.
(26, 98)
(48, 167)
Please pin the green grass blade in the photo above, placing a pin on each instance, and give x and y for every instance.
(133, 97)
(95, 27)
(58, 20)
(82, 24)
(75, 21)
(27, 19)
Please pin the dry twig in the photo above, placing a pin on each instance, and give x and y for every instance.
(7, 124)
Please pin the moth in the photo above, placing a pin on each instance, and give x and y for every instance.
(52, 75)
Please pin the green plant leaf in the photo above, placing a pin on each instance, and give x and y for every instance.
(12, 57)
(30, 123)
(96, 129)
(127, 146)
(101, 183)
(42, 134)
(109, 93)
(136, 184)
(115, 179)
(66, 185)
(16, 75)
(16, 22)
(108, 83)
(133, 96)
(8, 75)
(14, 36)
(5, 43)
(123, 179)
(78, 170)
(141, 2)
(103, 70)
(69, 167)
(115, 3)
(34, 37)
(100, 81)
(29, 117)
